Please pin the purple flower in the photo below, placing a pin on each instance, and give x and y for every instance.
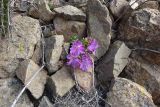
(86, 62)
(73, 61)
(77, 48)
(93, 45)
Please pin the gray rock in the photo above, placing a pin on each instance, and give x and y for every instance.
(142, 29)
(38, 53)
(21, 6)
(150, 4)
(9, 90)
(99, 25)
(61, 82)
(125, 93)
(69, 28)
(41, 11)
(25, 35)
(71, 13)
(65, 50)
(145, 74)
(113, 62)
(53, 52)
(45, 102)
(25, 72)
(117, 7)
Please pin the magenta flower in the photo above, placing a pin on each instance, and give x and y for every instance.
(93, 45)
(73, 61)
(86, 62)
(77, 48)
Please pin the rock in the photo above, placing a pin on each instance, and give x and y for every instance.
(25, 72)
(54, 3)
(117, 7)
(45, 102)
(69, 28)
(38, 54)
(60, 83)
(9, 90)
(26, 33)
(99, 25)
(69, 12)
(65, 50)
(145, 74)
(153, 58)
(21, 6)
(142, 29)
(125, 93)
(113, 62)
(53, 52)
(150, 4)
(8, 63)
(42, 11)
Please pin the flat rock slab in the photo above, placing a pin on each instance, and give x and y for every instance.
(125, 93)
(61, 82)
(53, 52)
(113, 62)
(99, 25)
(71, 13)
(25, 72)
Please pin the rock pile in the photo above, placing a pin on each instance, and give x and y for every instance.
(127, 62)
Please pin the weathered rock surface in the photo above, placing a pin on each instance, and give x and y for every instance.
(41, 11)
(53, 52)
(145, 74)
(113, 62)
(117, 7)
(45, 102)
(69, 28)
(125, 93)
(150, 4)
(69, 12)
(9, 89)
(99, 25)
(25, 35)
(142, 29)
(61, 82)
(25, 72)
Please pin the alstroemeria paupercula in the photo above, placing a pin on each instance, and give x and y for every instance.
(79, 56)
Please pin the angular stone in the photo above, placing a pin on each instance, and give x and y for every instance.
(25, 72)
(113, 62)
(69, 12)
(41, 11)
(38, 54)
(9, 90)
(69, 28)
(125, 93)
(61, 82)
(142, 29)
(145, 74)
(53, 52)
(45, 102)
(26, 33)
(117, 7)
(65, 50)
(99, 25)
(150, 4)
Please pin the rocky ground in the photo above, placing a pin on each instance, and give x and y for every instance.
(127, 63)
